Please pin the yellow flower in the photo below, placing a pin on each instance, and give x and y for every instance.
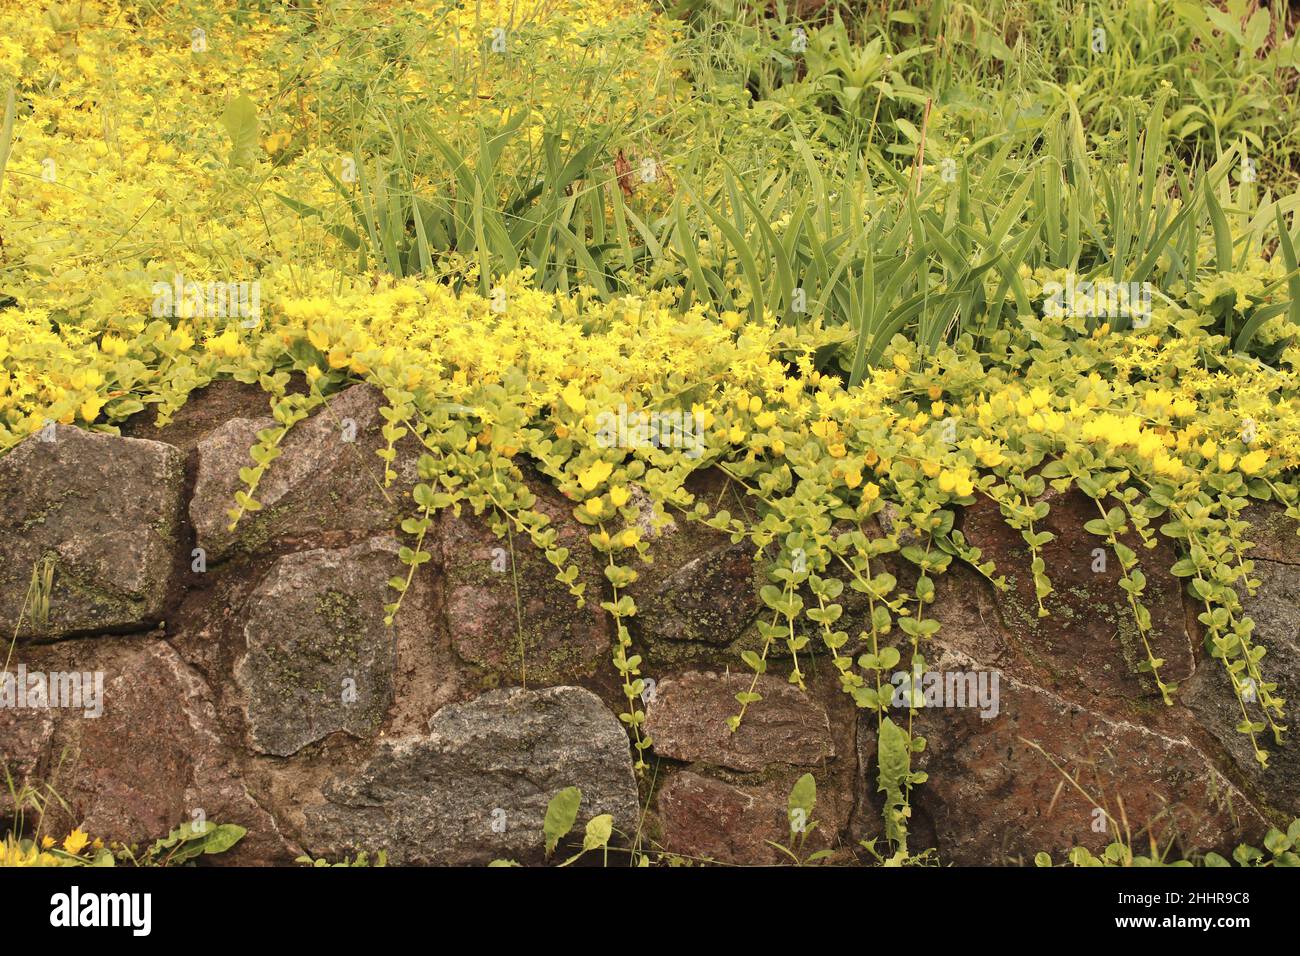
(870, 491)
(1158, 399)
(618, 495)
(1116, 431)
(594, 507)
(573, 397)
(901, 362)
(229, 345)
(1167, 465)
(47, 842)
(278, 141)
(1253, 462)
(630, 537)
(1208, 449)
(957, 481)
(75, 842)
(112, 345)
(988, 453)
(1149, 444)
(90, 408)
(591, 477)
(1226, 460)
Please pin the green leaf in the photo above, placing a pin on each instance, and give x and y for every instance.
(1275, 841)
(561, 813)
(1097, 526)
(895, 755)
(1222, 232)
(1285, 244)
(598, 832)
(240, 122)
(222, 837)
(803, 799)
(893, 759)
(7, 133)
(191, 840)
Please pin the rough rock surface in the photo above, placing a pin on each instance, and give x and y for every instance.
(326, 482)
(230, 697)
(506, 612)
(25, 736)
(319, 659)
(476, 786)
(1273, 534)
(709, 597)
(688, 721)
(1275, 610)
(106, 510)
(1089, 641)
(707, 819)
(701, 586)
(154, 758)
(1000, 786)
(993, 796)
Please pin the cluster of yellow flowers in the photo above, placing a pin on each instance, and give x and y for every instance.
(48, 852)
(118, 175)
(757, 385)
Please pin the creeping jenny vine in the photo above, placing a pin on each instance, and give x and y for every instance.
(845, 488)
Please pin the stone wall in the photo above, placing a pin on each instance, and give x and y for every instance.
(249, 676)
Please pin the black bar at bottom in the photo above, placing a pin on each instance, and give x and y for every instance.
(336, 906)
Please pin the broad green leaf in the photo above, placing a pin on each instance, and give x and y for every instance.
(598, 832)
(561, 813)
(240, 123)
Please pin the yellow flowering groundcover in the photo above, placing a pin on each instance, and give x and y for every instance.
(220, 191)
